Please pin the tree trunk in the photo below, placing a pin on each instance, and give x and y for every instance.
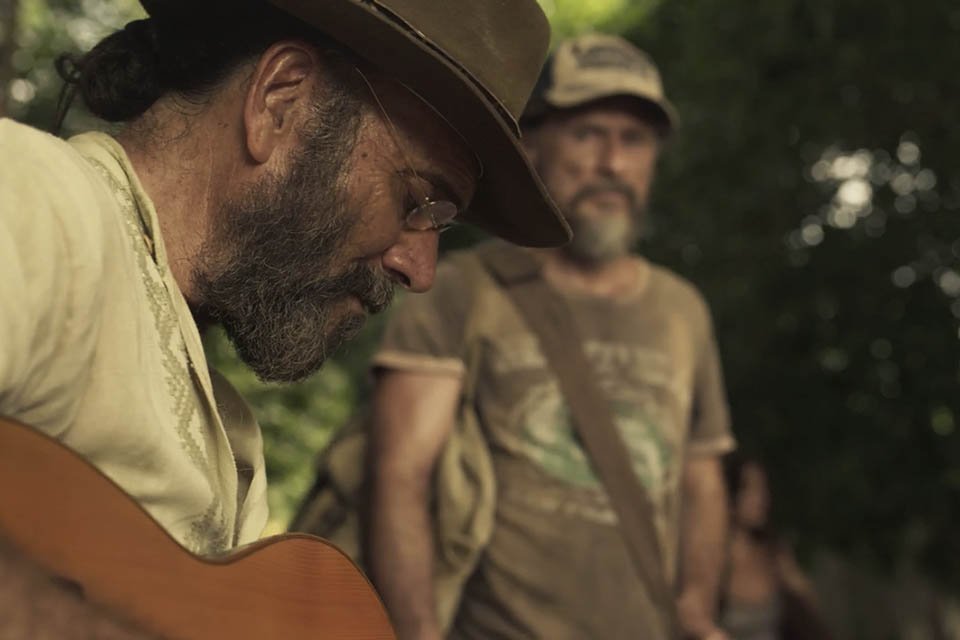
(8, 28)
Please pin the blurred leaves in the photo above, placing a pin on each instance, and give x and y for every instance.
(45, 29)
(572, 17)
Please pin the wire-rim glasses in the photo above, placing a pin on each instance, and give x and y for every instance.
(428, 214)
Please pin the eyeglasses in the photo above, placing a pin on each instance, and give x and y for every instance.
(428, 214)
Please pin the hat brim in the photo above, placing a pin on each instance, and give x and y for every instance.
(511, 201)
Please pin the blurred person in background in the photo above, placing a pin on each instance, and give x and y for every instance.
(555, 564)
(764, 593)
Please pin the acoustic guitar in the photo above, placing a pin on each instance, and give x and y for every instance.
(74, 522)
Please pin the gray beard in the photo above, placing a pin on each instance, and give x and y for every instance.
(269, 273)
(597, 241)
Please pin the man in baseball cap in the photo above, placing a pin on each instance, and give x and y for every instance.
(278, 167)
(596, 66)
(546, 556)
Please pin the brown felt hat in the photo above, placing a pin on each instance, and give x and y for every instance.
(476, 63)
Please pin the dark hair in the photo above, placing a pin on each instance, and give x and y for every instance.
(181, 48)
(734, 464)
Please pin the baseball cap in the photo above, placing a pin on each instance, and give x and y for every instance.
(594, 66)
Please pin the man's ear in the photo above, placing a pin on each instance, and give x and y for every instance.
(279, 92)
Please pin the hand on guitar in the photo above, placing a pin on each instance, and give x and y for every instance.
(36, 606)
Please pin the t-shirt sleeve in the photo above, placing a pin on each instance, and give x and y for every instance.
(425, 331)
(710, 432)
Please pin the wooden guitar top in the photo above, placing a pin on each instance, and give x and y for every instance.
(59, 510)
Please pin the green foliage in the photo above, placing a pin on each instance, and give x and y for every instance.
(572, 17)
(44, 30)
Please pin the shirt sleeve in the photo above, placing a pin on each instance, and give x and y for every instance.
(45, 326)
(14, 319)
(710, 432)
(425, 331)
(31, 288)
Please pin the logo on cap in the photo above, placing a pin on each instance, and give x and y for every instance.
(608, 57)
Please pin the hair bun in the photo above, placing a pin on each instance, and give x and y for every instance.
(118, 78)
(181, 48)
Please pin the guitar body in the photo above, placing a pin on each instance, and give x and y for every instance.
(60, 511)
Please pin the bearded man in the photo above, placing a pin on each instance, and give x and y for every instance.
(555, 565)
(279, 168)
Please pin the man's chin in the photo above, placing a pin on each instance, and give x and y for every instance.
(295, 358)
(593, 256)
(598, 244)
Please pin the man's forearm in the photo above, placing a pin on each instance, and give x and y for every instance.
(704, 538)
(400, 556)
(703, 552)
(34, 605)
(412, 418)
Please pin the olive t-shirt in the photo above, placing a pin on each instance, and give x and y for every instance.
(556, 566)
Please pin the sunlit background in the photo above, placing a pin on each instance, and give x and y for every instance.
(813, 194)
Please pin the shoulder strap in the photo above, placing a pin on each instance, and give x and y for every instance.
(519, 273)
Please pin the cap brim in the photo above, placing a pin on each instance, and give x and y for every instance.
(571, 97)
(510, 201)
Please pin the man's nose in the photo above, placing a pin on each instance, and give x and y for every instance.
(612, 158)
(412, 260)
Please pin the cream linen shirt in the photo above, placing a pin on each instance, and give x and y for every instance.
(98, 348)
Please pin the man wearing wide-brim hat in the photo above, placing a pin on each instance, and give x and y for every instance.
(279, 168)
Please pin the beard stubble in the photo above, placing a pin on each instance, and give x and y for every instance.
(273, 272)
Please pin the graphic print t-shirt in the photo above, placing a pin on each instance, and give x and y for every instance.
(556, 566)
